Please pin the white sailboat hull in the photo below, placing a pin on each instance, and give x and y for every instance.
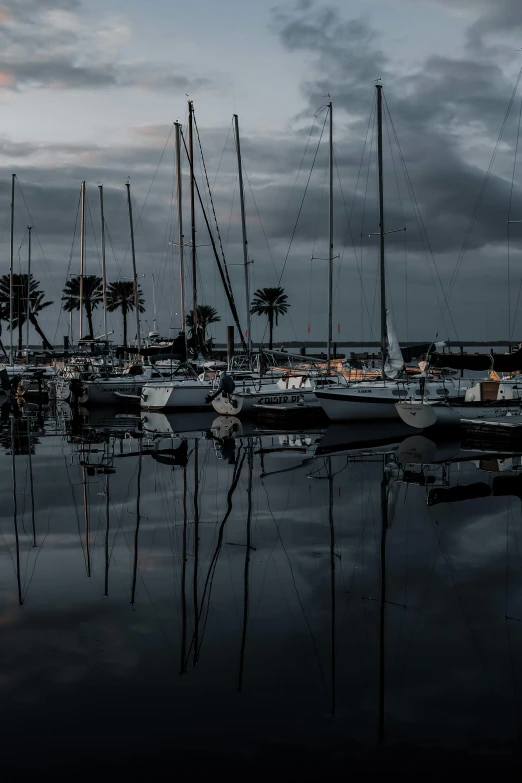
(245, 402)
(425, 414)
(106, 391)
(185, 394)
(377, 400)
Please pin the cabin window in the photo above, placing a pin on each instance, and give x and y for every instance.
(397, 393)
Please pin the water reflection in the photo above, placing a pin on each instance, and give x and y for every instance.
(361, 574)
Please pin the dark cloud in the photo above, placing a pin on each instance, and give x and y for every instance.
(447, 112)
(40, 50)
(487, 20)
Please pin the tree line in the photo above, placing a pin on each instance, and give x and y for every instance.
(269, 302)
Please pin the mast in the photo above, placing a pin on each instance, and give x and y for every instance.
(28, 308)
(183, 662)
(180, 228)
(330, 239)
(11, 264)
(86, 517)
(384, 529)
(228, 292)
(104, 270)
(332, 575)
(107, 520)
(82, 253)
(250, 454)
(15, 516)
(134, 273)
(136, 532)
(196, 552)
(154, 326)
(378, 87)
(31, 480)
(244, 231)
(193, 230)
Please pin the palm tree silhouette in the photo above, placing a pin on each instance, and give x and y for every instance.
(37, 304)
(206, 315)
(270, 302)
(120, 296)
(92, 296)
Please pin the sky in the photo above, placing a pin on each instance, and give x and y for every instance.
(90, 91)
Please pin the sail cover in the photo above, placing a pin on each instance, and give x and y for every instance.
(418, 350)
(394, 361)
(501, 362)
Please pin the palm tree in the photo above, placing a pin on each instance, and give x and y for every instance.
(120, 296)
(270, 302)
(92, 296)
(37, 303)
(206, 315)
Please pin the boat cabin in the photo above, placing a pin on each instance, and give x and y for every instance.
(494, 391)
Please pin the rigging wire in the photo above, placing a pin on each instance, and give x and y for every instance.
(69, 263)
(511, 328)
(53, 284)
(147, 196)
(212, 200)
(349, 230)
(259, 217)
(372, 120)
(222, 153)
(302, 200)
(299, 171)
(401, 209)
(481, 192)
(318, 215)
(424, 234)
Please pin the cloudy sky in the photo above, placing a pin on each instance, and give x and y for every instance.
(90, 91)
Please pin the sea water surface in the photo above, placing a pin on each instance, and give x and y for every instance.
(198, 595)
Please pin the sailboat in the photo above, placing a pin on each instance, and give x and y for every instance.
(487, 399)
(375, 399)
(192, 393)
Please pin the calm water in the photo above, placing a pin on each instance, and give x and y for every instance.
(259, 604)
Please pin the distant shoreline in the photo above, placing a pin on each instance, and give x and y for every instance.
(354, 344)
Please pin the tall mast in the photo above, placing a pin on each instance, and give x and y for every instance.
(28, 307)
(82, 253)
(243, 228)
(381, 226)
(193, 229)
(250, 455)
(134, 273)
(31, 481)
(104, 270)
(180, 227)
(183, 662)
(196, 552)
(330, 239)
(11, 263)
(154, 326)
(332, 577)
(15, 515)
(136, 531)
(86, 516)
(384, 529)
(107, 524)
